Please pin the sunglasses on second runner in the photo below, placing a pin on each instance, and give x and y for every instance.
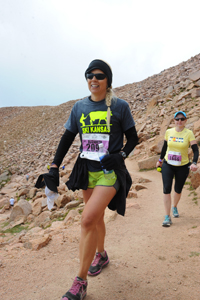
(99, 76)
(182, 119)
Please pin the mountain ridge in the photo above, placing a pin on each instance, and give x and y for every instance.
(23, 128)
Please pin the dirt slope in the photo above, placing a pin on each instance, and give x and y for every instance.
(147, 261)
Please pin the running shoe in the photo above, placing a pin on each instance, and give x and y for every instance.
(98, 263)
(78, 290)
(167, 221)
(175, 212)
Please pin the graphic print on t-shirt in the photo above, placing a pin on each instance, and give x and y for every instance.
(95, 121)
(176, 139)
(94, 131)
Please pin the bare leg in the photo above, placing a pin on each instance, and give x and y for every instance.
(101, 228)
(101, 233)
(176, 199)
(92, 214)
(167, 203)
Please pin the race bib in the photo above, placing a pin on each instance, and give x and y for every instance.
(174, 158)
(90, 143)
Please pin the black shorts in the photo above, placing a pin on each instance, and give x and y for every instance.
(180, 173)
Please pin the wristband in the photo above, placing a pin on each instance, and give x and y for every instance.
(194, 163)
(160, 160)
(123, 154)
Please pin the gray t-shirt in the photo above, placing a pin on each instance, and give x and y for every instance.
(88, 118)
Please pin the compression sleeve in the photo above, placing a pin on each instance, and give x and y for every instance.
(164, 149)
(132, 140)
(196, 152)
(64, 145)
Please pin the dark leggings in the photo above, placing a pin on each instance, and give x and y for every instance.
(169, 172)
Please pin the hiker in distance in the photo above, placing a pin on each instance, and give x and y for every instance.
(175, 163)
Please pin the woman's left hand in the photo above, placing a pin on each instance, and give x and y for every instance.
(193, 167)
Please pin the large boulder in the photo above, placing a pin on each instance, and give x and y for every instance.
(73, 204)
(22, 208)
(157, 147)
(35, 239)
(21, 219)
(3, 202)
(43, 219)
(32, 192)
(23, 192)
(195, 179)
(4, 176)
(194, 76)
(195, 93)
(8, 191)
(148, 163)
(70, 217)
(37, 207)
(38, 242)
(62, 200)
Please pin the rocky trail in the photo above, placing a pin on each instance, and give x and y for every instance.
(39, 248)
(147, 261)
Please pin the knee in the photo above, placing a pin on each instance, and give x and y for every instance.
(178, 190)
(167, 190)
(87, 221)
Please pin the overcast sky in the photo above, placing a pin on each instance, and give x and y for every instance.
(46, 45)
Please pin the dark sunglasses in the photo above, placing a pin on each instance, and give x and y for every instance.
(182, 119)
(99, 76)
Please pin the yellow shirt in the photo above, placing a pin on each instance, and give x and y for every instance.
(177, 146)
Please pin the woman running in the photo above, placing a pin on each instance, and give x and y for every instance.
(176, 163)
(99, 118)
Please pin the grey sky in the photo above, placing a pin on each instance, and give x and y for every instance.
(46, 45)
